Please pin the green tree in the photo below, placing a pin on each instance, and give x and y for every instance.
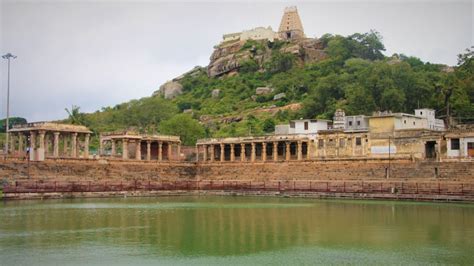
(75, 116)
(280, 62)
(393, 99)
(12, 121)
(183, 125)
(268, 125)
(248, 66)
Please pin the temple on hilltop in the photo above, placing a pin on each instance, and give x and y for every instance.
(290, 25)
(290, 28)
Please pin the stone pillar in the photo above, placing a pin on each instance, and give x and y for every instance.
(212, 152)
(275, 151)
(56, 145)
(124, 149)
(74, 145)
(148, 150)
(170, 147)
(264, 151)
(287, 151)
(242, 152)
(308, 150)
(252, 153)
(138, 150)
(204, 156)
(160, 151)
(232, 152)
(113, 151)
(41, 139)
(86, 145)
(299, 151)
(222, 156)
(20, 143)
(179, 151)
(32, 141)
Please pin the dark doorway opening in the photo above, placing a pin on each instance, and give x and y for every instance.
(430, 150)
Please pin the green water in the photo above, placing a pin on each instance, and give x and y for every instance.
(234, 231)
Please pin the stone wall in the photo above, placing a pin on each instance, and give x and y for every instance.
(308, 170)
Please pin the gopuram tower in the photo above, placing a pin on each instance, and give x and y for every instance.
(290, 26)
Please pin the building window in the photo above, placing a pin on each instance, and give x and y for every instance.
(455, 144)
(341, 143)
(350, 123)
(358, 141)
(305, 125)
(421, 113)
(413, 122)
(404, 121)
(358, 123)
(320, 143)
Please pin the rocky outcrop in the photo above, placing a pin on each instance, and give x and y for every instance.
(170, 89)
(227, 57)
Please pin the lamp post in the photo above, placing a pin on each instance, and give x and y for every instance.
(7, 126)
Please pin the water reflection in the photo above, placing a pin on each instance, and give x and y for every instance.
(225, 226)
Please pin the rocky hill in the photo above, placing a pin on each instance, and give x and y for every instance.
(250, 86)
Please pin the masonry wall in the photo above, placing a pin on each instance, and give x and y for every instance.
(309, 170)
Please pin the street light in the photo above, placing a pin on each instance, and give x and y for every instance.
(7, 127)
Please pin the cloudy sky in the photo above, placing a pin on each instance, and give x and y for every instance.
(103, 52)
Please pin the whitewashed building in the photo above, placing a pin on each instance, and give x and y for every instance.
(460, 144)
(303, 126)
(429, 115)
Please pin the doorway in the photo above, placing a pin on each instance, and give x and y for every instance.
(430, 150)
(470, 149)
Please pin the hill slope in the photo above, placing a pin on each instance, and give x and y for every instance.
(306, 78)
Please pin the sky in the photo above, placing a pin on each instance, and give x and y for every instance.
(100, 53)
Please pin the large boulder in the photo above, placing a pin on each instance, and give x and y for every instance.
(279, 96)
(171, 89)
(263, 90)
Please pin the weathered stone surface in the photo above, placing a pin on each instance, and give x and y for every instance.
(279, 96)
(170, 90)
(215, 93)
(227, 57)
(263, 90)
(308, 170)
